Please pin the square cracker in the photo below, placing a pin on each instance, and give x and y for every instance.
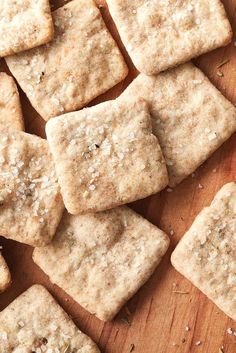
(104, 258)
(159, 34)
(191, 118)
(206, 253)
(10, 107)
(34, 322)
(24, 25)
(5, 276)
(30, 200)
(82, 62)
(106, 155)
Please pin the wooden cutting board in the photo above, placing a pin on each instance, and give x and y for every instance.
(155, 320)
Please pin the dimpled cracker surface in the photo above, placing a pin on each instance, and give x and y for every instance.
(5, 277)
(34, 323)
(206, 255)
(191, 118)
(10, 107)
(30, 201)
(159, 34)
(24, 24)
(106, 155)
(104, 258)
(82, 62)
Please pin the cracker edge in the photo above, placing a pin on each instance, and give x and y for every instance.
(174, 256)
(15, 91)
(139, 63)
(47, 39)
(7, 275)
(40, 288)
(141, 281)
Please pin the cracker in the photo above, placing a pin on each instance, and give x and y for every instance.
(104, 258)
(5, 276)
(24, 25)
(82, 62)
(10, 107)
(30, 201)
(34, 322)
(106, 155)
(162, 34)
(206, 253)
(191, 118)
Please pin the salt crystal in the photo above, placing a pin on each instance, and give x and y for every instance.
(92, 187)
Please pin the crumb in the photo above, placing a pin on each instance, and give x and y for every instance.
(229, 331)
(198, 343)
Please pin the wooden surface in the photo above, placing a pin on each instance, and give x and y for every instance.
(158, 316)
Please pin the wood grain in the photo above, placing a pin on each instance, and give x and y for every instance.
(158, 315)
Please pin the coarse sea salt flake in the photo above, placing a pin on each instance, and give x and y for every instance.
(211, 136)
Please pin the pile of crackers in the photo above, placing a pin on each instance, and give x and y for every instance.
(66, 195)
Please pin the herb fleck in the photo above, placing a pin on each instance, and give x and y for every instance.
(223, 63)
(125, 320)
(179, 292)
(131, 348)
(127, 311)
